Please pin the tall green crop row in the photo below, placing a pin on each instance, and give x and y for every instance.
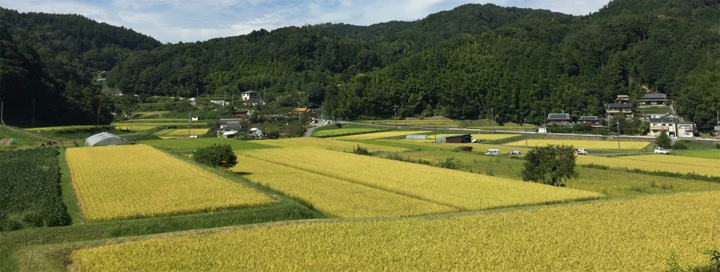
(30, 194)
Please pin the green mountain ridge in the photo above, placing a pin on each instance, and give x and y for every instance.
(464, 63)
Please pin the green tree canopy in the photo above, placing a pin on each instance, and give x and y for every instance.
(552, 164)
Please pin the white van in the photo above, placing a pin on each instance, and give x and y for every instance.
(492, 152)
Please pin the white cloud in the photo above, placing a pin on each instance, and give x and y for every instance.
(192, 20)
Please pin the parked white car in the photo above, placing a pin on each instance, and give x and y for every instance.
(492, 152)
(660, 150)
(581, 151)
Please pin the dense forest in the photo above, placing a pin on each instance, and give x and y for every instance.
(48, 63)
(464, 63)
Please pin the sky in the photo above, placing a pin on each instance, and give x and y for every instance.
(172, 21)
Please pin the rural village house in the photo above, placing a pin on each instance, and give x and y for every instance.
(612, 109)
(560, 119)
(654, 100)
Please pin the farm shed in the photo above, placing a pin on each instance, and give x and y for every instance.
(104, 139)
(458, 139)
(231, 124)
(416, 137)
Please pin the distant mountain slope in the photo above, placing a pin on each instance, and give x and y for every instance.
(464, 63)
(47, 63)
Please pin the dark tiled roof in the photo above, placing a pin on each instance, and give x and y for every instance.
(589, 118)
(255, 100)
(655, 97)
(558, 116)
(663, 120)
(618, 106)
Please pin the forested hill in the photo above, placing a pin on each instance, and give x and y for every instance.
(463, 63)
(50, 60)
(460, 63)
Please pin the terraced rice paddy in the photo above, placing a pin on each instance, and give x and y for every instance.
(36, 129)
(192, 144)
(587, 144)
(380, 135)
(333, 196)
(452, 188)
(642, 234)
(181, 132)
(135, 127)
(325, 143)
(660, 163)
(120, 182)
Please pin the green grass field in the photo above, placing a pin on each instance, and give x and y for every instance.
(347, 129)
(706, 154)
(20, 139)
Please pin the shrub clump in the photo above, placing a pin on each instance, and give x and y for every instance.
(216, 155)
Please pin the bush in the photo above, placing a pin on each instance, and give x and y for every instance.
(680, 145)
(361, 150)
(449, 163)
(550, 165)
(216, 155)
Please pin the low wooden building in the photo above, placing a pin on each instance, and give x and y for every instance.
(458, 139)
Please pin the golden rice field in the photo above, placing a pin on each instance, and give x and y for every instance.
(588, 144)
(118, 182)
(380, 135)
(326, 144)
(641, 234)
(182, 132)
(462, 190)
(661, 163)
(333, 196)
(36, 129)
(135, 127)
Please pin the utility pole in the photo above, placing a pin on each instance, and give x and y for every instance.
(618, 130)
(492, 119)
(332, 128)
(33, 115)
(189, 119)
(2, 113)
(97, 124)
(526, 133)
(395, 108)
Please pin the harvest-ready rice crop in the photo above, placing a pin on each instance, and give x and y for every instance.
(660, 163)
(332, 195)
(443, 186)
(182, 132)
(59, 128)
(192, 144)
(642, 234)
(380, 135)
(135, 127)
(588, 144)
(326, 143)
(139, 181)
